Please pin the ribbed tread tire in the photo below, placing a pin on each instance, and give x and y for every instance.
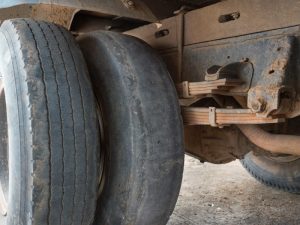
(60, 136)
(280, 176)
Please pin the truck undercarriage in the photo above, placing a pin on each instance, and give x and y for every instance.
(235, 70)
(234, 82)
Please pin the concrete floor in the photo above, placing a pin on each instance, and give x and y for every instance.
(228, 195)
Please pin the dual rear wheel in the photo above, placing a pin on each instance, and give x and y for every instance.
(278, 171)
(68, 157)
(96, 146)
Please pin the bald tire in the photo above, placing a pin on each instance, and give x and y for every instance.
(142, 130)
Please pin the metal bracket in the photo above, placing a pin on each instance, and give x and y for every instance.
(264, 97)
(180, 37)
(212, 116)
(242, 71)
(185, 90)
(128, 4)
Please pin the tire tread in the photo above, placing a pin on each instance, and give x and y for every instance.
(64, 181)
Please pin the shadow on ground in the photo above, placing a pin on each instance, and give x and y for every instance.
(228, 195)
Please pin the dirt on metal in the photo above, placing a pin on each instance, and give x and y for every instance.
(57, 14)
(228, 195)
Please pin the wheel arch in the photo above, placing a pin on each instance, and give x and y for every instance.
(63, 11)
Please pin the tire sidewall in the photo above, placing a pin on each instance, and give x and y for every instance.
(140, 126)
(19, 200)
(282, 175)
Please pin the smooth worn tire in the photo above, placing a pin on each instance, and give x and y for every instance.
(52, 126)
(283, 175)
(142, 130)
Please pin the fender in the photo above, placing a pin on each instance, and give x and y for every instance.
(63, 11)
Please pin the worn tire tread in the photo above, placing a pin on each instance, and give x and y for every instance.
(62, 176)
(252, 169)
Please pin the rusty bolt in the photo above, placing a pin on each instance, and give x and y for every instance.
(128, 4)
(258, 106)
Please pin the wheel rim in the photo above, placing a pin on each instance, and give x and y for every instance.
(4, 156)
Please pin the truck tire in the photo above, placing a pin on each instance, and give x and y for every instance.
(142, 130)
(53, 138)
(278, 172)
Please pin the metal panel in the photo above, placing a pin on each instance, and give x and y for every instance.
(106, 7)
(257, 48)
(148, 34)
(254, 16)
(160, 8)
(204, 24)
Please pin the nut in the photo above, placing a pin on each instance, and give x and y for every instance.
(258, 106)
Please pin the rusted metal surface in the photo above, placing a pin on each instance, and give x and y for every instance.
(220, 145)
(240, 71)
(275, 143)
(129, 4)
(224, 80)
(103, 7)
(275, 80)
(228, 32)
(57, 14)
(270, 74)
(168, 43)
(166, 8)
(220, 117)
(255, 16)
(84, 22)
(143, 10)
(215, 145)
(206, 39)
(162, 42)
(259, 50)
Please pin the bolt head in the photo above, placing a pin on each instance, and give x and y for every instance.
(129, 4)
(258, 106)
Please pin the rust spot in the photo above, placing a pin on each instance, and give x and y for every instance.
(279, 64)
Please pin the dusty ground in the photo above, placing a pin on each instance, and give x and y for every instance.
(227, 195)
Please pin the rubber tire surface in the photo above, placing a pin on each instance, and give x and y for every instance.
(280, 175)
(143, 134)
(52, 126)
